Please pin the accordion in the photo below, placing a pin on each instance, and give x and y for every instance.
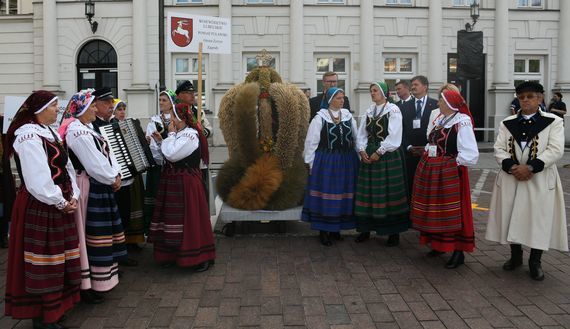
(128, 144)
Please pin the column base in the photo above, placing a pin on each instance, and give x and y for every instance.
(141, 104)
(499, 102)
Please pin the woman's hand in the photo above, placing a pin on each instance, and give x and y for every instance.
(172, 126)
(364, 157)
(117, 184)
(157, 137)
(374, 157)
(70, 207)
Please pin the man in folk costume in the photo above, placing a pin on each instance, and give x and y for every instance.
(527, 206)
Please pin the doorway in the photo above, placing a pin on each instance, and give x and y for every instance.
(97, 66)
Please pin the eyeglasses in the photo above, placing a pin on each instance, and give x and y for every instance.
(330, 81)
(523, 97)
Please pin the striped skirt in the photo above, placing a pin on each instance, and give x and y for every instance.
(441, 205)
(329, 196)
(152, 179)
(43, 273)
(381, 196)
(104, 236)
(181, 230)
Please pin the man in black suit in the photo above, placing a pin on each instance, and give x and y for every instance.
(330, 79)
(403, 92)
(104, 103)
(415, 119)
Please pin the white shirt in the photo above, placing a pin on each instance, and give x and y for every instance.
(79, 139)
(36, 173)
(154, 146)
(314, 133)
(178, 146)
(393, 139)
(467, 151)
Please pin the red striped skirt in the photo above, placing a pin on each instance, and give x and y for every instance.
(44, 271)
(436, 198)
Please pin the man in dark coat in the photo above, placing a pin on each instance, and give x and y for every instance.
(415, 119)
(104, 103)
(330, 79)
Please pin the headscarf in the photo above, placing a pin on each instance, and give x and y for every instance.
(78, 104)
(383, 88)
(34, 104)
(455, 101)
(183, 112)
(116, 103)
(329, 95)
(171, 97)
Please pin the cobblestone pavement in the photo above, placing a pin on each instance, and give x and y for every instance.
(275, 280)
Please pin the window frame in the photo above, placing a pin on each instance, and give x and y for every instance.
(189, 2)
(331, 2)
(344, 75)
(526, 74)
(399, 75)
(246, 55)
(464, 3)
(193, 76)
(529, 5)
(399, 3)
(259, 2)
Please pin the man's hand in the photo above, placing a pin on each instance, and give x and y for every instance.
(117, 184)
(521, 172)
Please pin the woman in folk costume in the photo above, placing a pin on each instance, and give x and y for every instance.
(330, 153)
(43, 273)
(180, 229)
(156, 131)
(527, 206)
(381, 197)
(441, 199)
(98, 176)
(130, 198)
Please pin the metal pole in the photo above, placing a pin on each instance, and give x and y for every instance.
(161, 68)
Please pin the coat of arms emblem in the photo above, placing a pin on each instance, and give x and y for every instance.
(181, 31)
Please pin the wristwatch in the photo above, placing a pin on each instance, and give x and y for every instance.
(530, 168)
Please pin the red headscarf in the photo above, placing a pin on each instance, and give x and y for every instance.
(455, 101)
(26, 114)
(184, 113)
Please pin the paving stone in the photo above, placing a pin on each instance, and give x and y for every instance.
(187, 308)
(271, 306)
(313, 306)
(362, 321)
(435, 302)
(504, 306)
(478, 323)
(249, 316)
(354, 304)
(432, 325)
(293, 315)
(336, 314)
(406, 320)
(522, 322)
(162, 317)
(170, 299)
(181, 322)
(271, 322)
(317, 322)
(422, 311)
(451, 319)
(395, 303)
(380, 312)
(206, 316)
(537, 315)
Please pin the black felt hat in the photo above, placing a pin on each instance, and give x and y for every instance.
(103, 94)
(531, 86)
(185, 86)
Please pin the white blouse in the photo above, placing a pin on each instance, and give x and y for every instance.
(80, 140)
(467, 151)
(154, 146)
(314, 133)
(178, 146)
(36, 173)
(394, 138)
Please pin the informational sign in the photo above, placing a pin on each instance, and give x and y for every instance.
(13, 103)
(185, 32)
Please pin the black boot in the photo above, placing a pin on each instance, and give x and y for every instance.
(325, 238)
(393, 240)
(458, 258)
(434, 253)
(3, 241)
(39, 324)
(204, 266)
(364, 236)
(336, 236)
(516, 258)
(536, 272)
(91, 297)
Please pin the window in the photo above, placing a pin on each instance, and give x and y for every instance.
(530, 3)
(9, 7)
(257, 2)
(331, 1)
(335, 63)
(398, 67)
(528, 68)
(399, 2)
(190, 1)
(462, 3)
(186, 68)
(250, 62)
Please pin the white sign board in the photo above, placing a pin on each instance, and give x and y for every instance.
(185, 32)
(13, 103)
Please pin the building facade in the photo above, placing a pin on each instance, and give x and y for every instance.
(49, 44)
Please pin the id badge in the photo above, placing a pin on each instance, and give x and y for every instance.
(432, 151)
(417, 124)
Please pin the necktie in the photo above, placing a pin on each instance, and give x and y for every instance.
(418, 109)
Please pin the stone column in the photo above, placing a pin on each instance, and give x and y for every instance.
(366, 51)
(50, 51)
(225, 78)
(563, 74)
(296, 61)
(436, 65)
(501, 92)
(140, 64)
(141, 99)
